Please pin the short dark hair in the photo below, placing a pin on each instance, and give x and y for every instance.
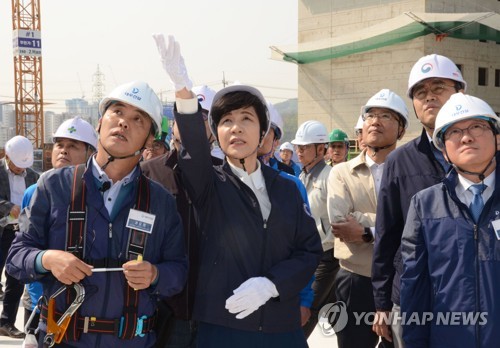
(237, 100)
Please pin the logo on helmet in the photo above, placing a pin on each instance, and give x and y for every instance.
(71, 129)
(133, 95)
(459, 111)
(426, 68)
(332, 318)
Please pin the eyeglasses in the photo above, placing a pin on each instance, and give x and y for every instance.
(474, 130)
(384, 117)
(303, 148)
(437, 89)
(157, 146)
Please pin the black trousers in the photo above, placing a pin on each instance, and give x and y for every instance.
(324, 288)
(356, 292)
(13, 287)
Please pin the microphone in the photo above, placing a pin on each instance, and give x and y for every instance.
(105, 186)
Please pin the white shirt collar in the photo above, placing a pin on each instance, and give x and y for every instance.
(102, 176)
(23, 174)
(256, 177)
(464, 183)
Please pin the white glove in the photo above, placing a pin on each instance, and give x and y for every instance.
(250, 295)
(172, 61)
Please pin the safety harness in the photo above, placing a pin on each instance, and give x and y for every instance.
(129, 324)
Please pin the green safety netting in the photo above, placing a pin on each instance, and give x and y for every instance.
(410, 25)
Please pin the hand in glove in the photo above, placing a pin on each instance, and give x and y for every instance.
(172, 61)
(250, 295)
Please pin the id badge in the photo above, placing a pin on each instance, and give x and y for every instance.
(496, 227)
(140, 220)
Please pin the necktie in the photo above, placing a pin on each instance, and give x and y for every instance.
(477, 204)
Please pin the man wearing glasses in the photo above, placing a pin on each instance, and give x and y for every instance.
(352, 203)
(158, 148)
(451, 240)
(408, 170)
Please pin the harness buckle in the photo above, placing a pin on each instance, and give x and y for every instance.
(56, 330)
(139, 327)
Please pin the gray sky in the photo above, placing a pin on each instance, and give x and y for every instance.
(215, 36)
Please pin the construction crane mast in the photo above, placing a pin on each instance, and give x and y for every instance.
(28, 70)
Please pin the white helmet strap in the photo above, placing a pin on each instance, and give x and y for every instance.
(479, 174)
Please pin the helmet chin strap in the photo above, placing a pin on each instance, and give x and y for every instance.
(304, 168)
(242, 160)
(376, 149)
(111, 158)
(266, 154)
(480, 174)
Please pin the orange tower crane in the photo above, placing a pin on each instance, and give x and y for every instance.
(27, 43)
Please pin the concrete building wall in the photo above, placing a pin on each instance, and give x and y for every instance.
(333, 91)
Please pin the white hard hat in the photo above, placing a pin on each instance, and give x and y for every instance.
(238, 88)
(138, 94)
(286, 146)
(311, 132)
(20, 151)
(205, 96)
(276, 120)
(458, 108)
(387, 99)
(77, 129)
(434, 65)
(359, 124)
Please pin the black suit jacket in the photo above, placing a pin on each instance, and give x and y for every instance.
(5, 203)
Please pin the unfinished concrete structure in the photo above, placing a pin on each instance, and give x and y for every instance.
(335, 80)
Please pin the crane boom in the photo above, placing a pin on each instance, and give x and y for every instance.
(28, 70)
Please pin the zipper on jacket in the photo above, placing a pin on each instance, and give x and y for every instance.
(262, 260)
(476, 242)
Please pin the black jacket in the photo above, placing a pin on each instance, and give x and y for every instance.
(237, 244)
(408, 170)
(165, 170)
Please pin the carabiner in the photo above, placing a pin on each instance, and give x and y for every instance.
(56, 330)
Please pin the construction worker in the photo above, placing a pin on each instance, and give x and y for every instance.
(240, 204)
(310, 142)
(358, 130)
(352, 202)
(15, 176)
(338, 147)
(178, 329)
(451, 240)
(277, 127)
(130, 224)
(160, 145)
(286, 154)
(75, 140)
(409, 169)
